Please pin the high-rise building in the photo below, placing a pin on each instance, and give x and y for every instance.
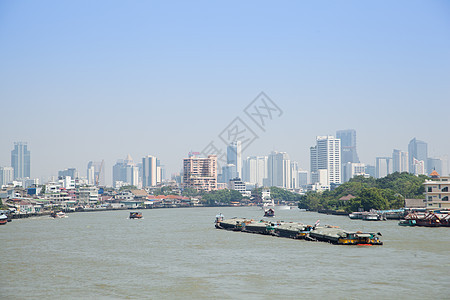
(255, 170)
(149, 171)
(326, 155)
(417, 150)
(6, 175)
(419, 167)
(20, 160)
(96, 173)
(383, 166)
(302, 178)
(294, 175)
(234, 156)
(350, 170)
(125, 172)
(228, 173)
(371, 171)
(279, 170)
(71, 172)
(200, 173)
(348, 145)
(160, 171)
(437, 164)
(400, 161)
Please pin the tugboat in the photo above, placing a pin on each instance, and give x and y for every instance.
(269, 212)
(135, 215)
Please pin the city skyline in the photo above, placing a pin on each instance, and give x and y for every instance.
(120, 171)
(159, 71)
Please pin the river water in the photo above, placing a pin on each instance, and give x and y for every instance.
(178, 254)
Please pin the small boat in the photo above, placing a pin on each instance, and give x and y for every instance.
(135, 215)
(356, 215)
(58, 214)
(407, 223)
(3, 219)
(269, 212)
(371, 217)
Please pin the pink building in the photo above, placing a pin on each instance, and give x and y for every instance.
(200, 173)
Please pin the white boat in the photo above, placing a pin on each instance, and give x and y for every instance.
(58, 215)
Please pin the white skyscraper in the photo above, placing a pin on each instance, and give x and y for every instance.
(326, 155)
(255, 170)
(6, 175)
(418, 167)
(279, 170)
(294, 175)
(400, 161)
(383, 166)
(149, 171)
(234, 156)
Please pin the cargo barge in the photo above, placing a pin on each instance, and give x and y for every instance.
(295, 230)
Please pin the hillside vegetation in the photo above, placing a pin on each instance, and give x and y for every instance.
(384, 193)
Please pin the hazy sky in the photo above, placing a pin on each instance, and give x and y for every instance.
(93, 80)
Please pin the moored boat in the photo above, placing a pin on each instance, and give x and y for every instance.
(430, 219)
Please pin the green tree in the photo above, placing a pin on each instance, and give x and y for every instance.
(372, 198)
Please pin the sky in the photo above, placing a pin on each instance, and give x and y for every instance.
(88, 81)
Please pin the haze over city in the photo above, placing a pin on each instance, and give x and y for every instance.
(86, 81)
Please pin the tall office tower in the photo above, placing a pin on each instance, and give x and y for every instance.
(234, 156)
(348, 145)
(126, 172)
(383, 166)
(278, 170)
(417, 150)
(96, 173)
(400, 161)
(6, 175)
(71, 172)
(200, 173)
(149, 171)
(326, 155)
(255, 170)
(20, 160)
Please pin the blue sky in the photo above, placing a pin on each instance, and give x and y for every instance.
(92, 80)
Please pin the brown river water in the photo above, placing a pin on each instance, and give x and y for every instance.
(178, 254)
